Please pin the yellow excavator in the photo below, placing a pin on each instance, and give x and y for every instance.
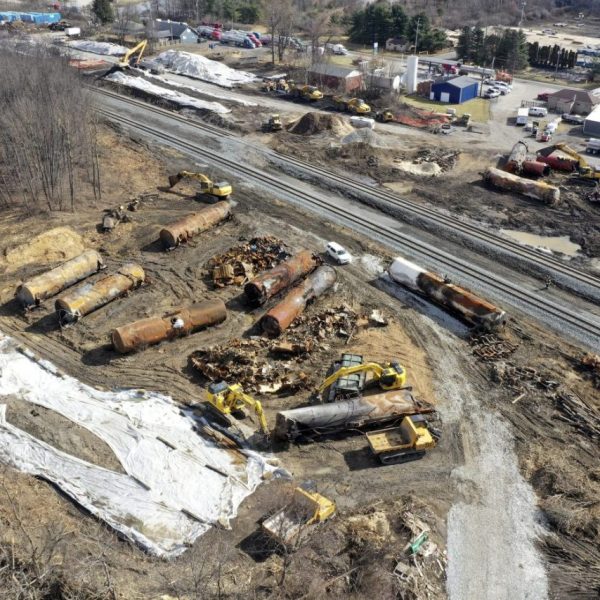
(584, 169)
(228, 399)
(220, 190)
(132, 57)
(389, 376)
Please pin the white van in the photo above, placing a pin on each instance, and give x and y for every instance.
(538, 111)
(593, 146)
(522, 116)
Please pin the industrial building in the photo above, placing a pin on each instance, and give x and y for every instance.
(173, 30)
(581, 102)
(591, 125)
(335, 77)
(455, 90)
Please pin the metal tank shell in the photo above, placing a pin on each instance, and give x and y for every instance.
(271, 282)
(516, 158)
(347, 414)
(535, 168)
(512, 183)
(471, 308)
(558, 163)
(50, 283)
(181, 322)
(91, 296)
(283, 314)
(184, 229)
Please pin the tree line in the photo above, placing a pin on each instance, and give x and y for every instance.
(380, 21)
(48, 148)
(551, 56)
(508, 50)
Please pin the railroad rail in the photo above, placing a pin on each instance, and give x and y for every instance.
(589, 328)
(434, 216)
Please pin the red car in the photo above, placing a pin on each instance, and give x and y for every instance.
(543, 96)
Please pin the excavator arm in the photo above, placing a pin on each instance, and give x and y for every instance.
(585, 169)
(139, 50)
(389, 376)
(203, 179)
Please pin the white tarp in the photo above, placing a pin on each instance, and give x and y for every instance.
(105, 48)
(156, 90)
(154, 441)
(113, 497)
(200, 67)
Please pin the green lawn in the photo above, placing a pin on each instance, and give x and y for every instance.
(479, 108)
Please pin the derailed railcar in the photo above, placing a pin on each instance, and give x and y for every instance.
(471, 308)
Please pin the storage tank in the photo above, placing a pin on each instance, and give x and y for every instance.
(178, 323)
(50, 283)
(471, 308)
(91, 296)
(412, 66)
(282, 315)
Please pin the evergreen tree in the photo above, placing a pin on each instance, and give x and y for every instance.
(248, 13)
(478, 45)
(399, 20)
(103, 10)
(464, 48)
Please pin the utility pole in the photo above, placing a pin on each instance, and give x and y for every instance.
(417, 34)
(523, 5)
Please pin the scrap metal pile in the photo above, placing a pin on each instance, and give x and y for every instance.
(246, 362)
(446, 159)
(489, 346)
(240, 263)
(338, 322)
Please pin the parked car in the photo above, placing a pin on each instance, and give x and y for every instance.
(543, 96)
(447, 129)
(338, 253)
(575, 119)
(492, 93)
(528, 126)
(538, 111)
(502, 90)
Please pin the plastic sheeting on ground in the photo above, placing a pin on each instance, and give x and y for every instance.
(200, 67)
(154, 441)
(161, 92)
(105, 48)
(113, 497)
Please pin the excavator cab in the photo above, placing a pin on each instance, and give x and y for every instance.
(392, 377)
(219, 191)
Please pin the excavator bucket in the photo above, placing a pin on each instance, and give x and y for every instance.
(174, 179)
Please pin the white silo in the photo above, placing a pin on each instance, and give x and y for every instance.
(412, 64)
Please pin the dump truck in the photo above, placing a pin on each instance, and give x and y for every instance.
(356, 106)
(305, 92)
(385, 116)
(298, 519)
(410, 441)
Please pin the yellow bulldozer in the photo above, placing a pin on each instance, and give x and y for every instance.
(218, 191)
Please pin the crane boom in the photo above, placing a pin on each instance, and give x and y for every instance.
(139, 50)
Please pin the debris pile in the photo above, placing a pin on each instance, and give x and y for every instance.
(521, 379)
(591, 363)
(575, 411)
(417, 117)
(489, 346)
(240, 263)
(340, 322)
(242, 362)
(313, 122)
(427, 161)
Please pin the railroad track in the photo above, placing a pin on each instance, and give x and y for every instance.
(590, 329)
(546, 262)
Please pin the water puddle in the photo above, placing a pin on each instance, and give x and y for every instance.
(559, 243)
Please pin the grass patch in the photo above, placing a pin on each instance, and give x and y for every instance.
(479, 108)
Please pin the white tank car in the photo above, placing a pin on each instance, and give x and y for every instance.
(468, 306)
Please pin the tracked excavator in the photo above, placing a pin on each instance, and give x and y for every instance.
(218, 191)
(389, 376)
(584, 169)
(228, 399)
(132, 57)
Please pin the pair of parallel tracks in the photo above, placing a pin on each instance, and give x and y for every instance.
(381, 233)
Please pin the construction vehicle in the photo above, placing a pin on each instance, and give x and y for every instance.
(133, 56)
(273, 124)
(293, 523)
(385, 116)
(60, 26)
(305, 92)
(584, 169)
(410, 441)
(279, 86)
(228, 399)
(356, 106)
(219, 191)
(348, 377)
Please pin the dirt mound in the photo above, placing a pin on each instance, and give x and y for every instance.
(312, 123)
(365, 136)
(60, 243)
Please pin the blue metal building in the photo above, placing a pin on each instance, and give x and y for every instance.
(455, 90)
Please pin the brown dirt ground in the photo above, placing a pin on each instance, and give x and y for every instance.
(564, 475)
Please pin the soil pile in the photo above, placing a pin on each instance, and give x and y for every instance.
(366, 137)
(312, 123)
